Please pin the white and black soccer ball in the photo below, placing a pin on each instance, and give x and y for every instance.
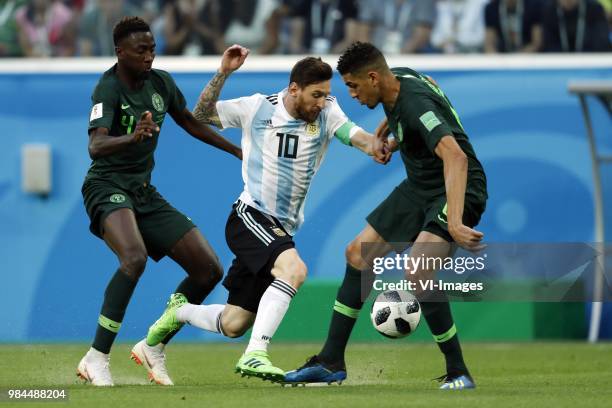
(395, 313)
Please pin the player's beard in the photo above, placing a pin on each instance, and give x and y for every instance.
(307, 116)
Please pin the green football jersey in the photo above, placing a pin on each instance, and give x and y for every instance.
(421, 116)
(118, 108)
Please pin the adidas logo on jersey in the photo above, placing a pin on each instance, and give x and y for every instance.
(266, 123)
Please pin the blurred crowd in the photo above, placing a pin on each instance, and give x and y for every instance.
(54, 28)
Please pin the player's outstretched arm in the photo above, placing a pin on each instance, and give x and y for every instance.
(100, 144)
(378, 145)
(371, 145)
(455, 181)
(205, 110)
(204, 133)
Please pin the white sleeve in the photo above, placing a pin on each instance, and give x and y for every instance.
(335, 117)
(239, 112)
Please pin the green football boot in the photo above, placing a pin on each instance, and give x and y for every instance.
(257, 364)
(167, 322)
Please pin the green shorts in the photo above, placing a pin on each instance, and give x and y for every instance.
(406, 212)
(160, 224)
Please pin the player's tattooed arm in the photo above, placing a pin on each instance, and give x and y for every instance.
(206, 108)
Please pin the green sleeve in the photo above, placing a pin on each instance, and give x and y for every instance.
(426, 119)
(344, 133)
(103, 106)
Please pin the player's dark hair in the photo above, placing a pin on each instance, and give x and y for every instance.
(310, 70)
(127, 26)
(359, 56)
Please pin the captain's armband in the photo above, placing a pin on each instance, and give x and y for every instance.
(346, 132)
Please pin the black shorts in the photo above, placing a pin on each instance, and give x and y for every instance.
(407, 211)
(256, 239)
(160, 224)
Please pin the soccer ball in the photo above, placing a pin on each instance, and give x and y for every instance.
(395, 313)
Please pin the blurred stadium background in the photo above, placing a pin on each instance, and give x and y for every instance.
(527, 129)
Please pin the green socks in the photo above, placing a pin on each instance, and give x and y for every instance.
(116, 298)
(440, 321)
(346, 310)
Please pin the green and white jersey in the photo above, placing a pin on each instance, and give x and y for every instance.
(118, 108)
(422, 115)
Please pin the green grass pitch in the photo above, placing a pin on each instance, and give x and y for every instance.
(384, 374)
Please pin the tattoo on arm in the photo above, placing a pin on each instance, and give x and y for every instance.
(205, 110)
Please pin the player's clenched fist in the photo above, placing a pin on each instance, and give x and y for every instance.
(145, 127)
(467, 237)
(383, 147)
(380, 151)
(233, 58)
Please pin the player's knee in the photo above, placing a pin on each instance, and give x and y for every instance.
(234, 333)
(296, 273)
(233, 329)
(209, 274)
(216, 271)
(301, 272)
(293, 271)
(353, 255)
(133, 263)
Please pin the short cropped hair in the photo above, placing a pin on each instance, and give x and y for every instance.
(359, 56)
(310, 70)
(127, 26)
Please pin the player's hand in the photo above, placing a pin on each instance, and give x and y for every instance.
(233, 58)
(380, 151)
(467, 237)
(391, 144)
(145, 127)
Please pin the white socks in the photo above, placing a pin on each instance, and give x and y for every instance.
(272, 308)
(207, 317)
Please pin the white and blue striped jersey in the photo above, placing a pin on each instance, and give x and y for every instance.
(281, 154)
